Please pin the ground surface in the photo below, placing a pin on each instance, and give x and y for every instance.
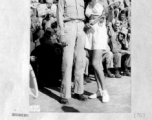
(118, 89)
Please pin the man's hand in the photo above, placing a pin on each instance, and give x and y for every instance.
(62, 40)
(32, 58)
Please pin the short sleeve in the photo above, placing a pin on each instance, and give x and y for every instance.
(88, 11)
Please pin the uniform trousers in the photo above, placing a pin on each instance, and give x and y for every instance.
(107, 58)
(122, 59)
(74, 52)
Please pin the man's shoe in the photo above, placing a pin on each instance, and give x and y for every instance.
(127, 73)
(117, 74)
(109, 74)
(80, 97)
(64, 101)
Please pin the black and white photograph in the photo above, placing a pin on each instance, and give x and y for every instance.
(75, 60)
(80, 56)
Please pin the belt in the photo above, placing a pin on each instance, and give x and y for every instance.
(76, 21)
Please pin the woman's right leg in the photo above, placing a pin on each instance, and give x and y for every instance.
(98, 68)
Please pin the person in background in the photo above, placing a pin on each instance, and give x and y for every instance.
(125, 52)
(107, 61)
(113, 11)
(127, 3)
(123, 20)
(86, 73)
(52, 8)
(118, 49)
(115, 46)
(47, 22)
(50, 16)
(42, 11)
(36, 30)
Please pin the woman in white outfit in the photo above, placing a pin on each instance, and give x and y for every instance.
(96, 42)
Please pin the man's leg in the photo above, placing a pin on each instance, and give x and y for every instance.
(86, 72)
(80, 55)
(127, 64)
(86, 66)
(117, 64)
(67, 60)
(108, 58)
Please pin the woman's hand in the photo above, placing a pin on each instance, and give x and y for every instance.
(88, 25)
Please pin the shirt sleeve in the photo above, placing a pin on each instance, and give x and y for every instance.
(111, 29)
(127, 3)
(60, 12)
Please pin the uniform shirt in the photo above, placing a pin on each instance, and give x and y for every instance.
(69, 10)
(48, 24)
(124, 44)
(114, 43)
(53, 10)
(121, 3)
(124, 23)
(34, 23)
(42, 9)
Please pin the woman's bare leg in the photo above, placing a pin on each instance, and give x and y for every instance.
(98, 68)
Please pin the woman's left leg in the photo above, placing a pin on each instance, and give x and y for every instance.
(98, 68)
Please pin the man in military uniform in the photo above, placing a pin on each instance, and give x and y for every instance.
(119, 48)
(70, 21)
(115, 46)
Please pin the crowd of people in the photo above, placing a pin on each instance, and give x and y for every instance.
(71, 37)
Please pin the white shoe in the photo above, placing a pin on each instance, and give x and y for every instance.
(97, 94)
(105, 96)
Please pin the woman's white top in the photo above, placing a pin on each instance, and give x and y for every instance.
(98, 39)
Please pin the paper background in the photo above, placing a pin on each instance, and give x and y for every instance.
(14, 66)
